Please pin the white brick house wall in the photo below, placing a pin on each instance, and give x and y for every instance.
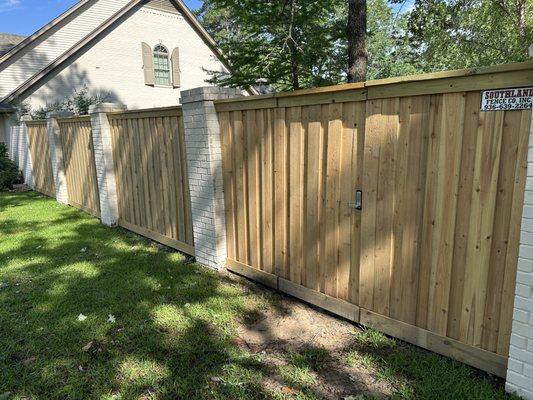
(520, 367)
(55, 42)
(114, 64)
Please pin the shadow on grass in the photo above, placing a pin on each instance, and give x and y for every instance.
(172, 335)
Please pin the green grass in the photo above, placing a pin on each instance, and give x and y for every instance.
(417, 373)
(175, 322)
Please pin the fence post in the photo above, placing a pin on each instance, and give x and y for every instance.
(103, 157)
(23, 157)
(204, 162)
(56, 154)
(520, 365)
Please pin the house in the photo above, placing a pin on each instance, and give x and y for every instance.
(8, 41)
(137, 52)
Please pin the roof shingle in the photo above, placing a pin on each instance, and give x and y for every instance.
(9, 40)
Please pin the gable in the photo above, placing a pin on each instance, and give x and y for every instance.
(114, 63)
(163, 5)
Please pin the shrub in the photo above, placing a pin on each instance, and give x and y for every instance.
(9, 172)
(77, 103)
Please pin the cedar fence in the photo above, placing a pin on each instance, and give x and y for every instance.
(151, 175)
(79, 165)
(429, 255)
(40, 154)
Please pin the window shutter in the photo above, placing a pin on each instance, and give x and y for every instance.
(148, 64)
(176, 80)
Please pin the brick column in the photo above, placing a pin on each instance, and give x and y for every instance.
(204, 162)
(56, 155)
(103, 157)
(520, 367)
(22, 149)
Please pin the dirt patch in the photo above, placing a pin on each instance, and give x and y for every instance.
(295, 335)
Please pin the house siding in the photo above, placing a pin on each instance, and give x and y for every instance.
(114, 64)
(54, 43)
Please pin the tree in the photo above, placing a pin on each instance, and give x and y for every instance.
(389, 50)
(285, 43)
(356, 35)
(451, 34)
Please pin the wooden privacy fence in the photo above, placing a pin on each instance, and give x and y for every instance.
(431, 257)
(40, 156)
(151, 175)
(79, 165)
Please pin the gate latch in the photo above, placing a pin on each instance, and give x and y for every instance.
(358, 205)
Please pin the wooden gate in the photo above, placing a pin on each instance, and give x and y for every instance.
(290, 173)
(79, 163)
(40, 157)
(431, 257)
(151, 175)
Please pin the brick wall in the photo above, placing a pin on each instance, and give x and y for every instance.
(56, 156)
(103, 157)
(19, 150)
(520, 369)
(204, 163)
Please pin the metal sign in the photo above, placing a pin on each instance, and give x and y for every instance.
(507, 99)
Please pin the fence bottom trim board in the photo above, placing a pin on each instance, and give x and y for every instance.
(83, 208)
(336, 306)
(175, 244)
(485, 360)
(48, 194)
(254, 274)
(328, 303)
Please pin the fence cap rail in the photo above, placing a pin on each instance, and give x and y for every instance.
(493, 77)
(74, 118)
(35, 122)
(172, 111)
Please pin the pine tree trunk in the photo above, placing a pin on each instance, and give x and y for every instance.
(356, 33)
(521, 18)
(294, 51)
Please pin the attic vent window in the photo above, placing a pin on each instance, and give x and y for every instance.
(161, 66)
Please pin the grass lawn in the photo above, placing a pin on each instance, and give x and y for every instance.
(92, 312)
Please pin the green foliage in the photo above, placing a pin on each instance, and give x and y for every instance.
(9, 172)
(78, 103)
(297, 43)
(451, 34)
(286, 44)
(388, 46)
(303, 46)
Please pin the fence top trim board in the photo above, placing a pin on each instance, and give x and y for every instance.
(75, 118)
(36, 122)
(494, 77)
(172, 111)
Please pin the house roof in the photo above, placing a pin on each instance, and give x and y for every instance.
(101, 30)
(30, 39)
(8, 41)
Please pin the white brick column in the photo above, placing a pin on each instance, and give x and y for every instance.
(23, 156)
(103, 157)
(56, 155)
(204, 164)
(520, 368)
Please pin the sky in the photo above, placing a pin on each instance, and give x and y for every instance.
(24, 17)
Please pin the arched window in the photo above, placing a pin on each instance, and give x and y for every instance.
(161, 66)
